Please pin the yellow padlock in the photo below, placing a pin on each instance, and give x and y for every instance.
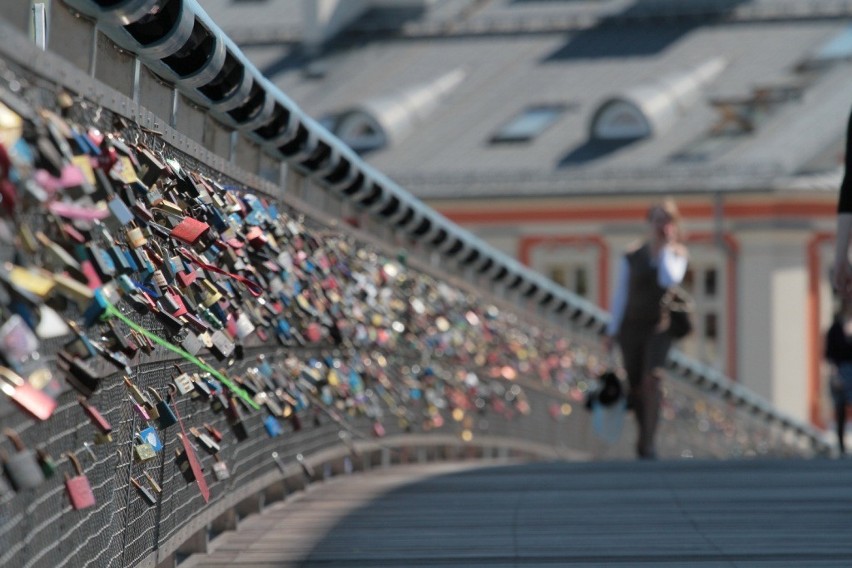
(73, 289)
(124, 171)
(212, 294)
(34, 282)
(84, 163)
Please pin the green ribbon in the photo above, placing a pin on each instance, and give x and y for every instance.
(111, 310)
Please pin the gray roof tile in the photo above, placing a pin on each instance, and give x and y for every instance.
(505, 73)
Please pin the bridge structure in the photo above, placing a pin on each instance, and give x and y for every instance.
(310, 364)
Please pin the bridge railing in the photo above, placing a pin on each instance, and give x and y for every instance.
(409, 361)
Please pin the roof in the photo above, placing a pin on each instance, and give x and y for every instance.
(755, 123)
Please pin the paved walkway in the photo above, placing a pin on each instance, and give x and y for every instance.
(676, 513)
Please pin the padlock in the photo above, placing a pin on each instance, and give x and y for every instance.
(272, 426)
(204, 440)
(150, 436)
(22, 468)
(214, 432)
(155, 487)
(165, 416)
(143, 451)
(191, 343)
(81, 346)
(218, 401)
(183, 382)
(101, 438)
(140, 411)
(98, 419)
(378, 429)
(119, 341)
(34, 402)
(223, 347)
(144, 343)
(46, 462)
(211, 294)
(183, 463)
(79, 490)
(17, 340)
(144, 492)
(120, 211)
(202, 389)
(79, 374)
(135, 237)
(235, 419)
(186, 229)
(151, 168)
(134, 391)
(220, 468)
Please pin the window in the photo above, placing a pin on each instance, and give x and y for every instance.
(557, 274)
(571, 277)
(711, 326)
(530, 123)
(710, 282)
(837, 48)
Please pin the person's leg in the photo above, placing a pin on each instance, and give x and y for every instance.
(651, 392)
(632, 346)
(840, 422)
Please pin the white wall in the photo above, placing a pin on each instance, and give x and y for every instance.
(772, 318)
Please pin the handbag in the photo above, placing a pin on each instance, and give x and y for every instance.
(608, 391)
(677, 309)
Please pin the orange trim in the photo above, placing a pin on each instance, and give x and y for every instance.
(791, 208)
(732, 248)
(528, 243)
(814, 332)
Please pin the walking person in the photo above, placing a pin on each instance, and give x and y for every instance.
(838, 352)
(647, 270)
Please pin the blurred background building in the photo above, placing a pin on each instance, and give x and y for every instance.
(547, 127)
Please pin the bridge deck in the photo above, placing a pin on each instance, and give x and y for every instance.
(667, 513)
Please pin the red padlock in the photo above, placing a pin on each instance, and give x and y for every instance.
(79, 490)
(28, 398)
(98, 419)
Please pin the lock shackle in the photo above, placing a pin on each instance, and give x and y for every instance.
(15, 438)
(170, 214)
(154, 392)
(11, 376)
(135, 394)
(72, 457)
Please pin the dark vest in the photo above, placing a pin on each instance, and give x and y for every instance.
(643, 292)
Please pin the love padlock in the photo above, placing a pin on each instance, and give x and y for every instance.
(145, 492)
(78, 487)
(22, 468)
(28, 398)
(220, 468)
(166, 416)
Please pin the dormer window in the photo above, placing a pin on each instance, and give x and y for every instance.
(529, 124)
(620, 120)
